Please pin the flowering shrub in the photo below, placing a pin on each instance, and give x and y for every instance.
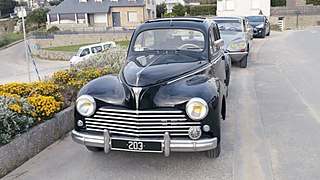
(15, 117)
(45, 106)
(111, 58)
(32, 89)
(72, 80)
(44, 97)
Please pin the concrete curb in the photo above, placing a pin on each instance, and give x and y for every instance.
(29, 144)
(12, 44)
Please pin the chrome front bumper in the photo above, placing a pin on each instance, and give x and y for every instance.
(168, 144)
(237, 56)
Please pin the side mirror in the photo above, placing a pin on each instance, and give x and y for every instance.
(219, 43)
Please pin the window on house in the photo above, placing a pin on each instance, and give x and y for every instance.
(53, 18)
(81, 18)
(98, 0)
(255, 4)
(114, 0)
(148, 1)
(82, 1)
(229, 4)
(152, 2)
(132, 0)
(132, 16)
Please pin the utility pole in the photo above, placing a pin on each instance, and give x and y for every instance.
(25, 42)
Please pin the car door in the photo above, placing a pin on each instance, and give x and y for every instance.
(216, 55)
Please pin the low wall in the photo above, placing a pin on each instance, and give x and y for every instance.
(36, 139)
(53, 55)
(77, 39)
(296, 17)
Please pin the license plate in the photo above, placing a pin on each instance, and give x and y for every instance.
(140, 146)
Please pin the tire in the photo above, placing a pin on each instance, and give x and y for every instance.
(214, 153)
(94, 149)
(244, 61)
(263, 34)
(268, 33)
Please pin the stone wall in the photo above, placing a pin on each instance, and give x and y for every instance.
(296, 17)
(290, 22)
(30, 143)
(77, 39)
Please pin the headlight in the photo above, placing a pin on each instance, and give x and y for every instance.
(86, 105)
(237, 45)
(259, 26)
(197, 109)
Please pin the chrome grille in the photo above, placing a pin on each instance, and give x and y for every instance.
(140, 123)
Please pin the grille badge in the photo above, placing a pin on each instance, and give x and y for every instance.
(137, 91)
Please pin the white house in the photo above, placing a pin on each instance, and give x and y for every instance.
(243, 7)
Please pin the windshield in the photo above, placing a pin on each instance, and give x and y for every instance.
(229, 24)
(256, 18)
(78, 52)
(170, 39)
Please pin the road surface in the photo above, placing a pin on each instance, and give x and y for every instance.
(272, 129)
(14, 67)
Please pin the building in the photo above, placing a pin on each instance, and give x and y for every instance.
(100, 14)
(243, 7)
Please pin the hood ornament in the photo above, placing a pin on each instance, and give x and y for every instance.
(137, 91)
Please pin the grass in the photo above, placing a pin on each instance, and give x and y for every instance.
(75, 48)
(7, 39)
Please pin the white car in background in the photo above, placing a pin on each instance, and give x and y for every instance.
(85, 52)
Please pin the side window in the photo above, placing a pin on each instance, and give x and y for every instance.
(96, 49)
(85, 52)
(105, 46)
(213, 38)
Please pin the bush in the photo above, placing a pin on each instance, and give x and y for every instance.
(204, 9)
(111, 58)
(15, 117)
(53, 29)
(45, 106)
(44, 97)
(72, 80)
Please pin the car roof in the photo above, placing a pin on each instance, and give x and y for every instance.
(97, 44)
(228, 17)
(183, 22)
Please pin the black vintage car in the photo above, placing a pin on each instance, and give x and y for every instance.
(170, 95)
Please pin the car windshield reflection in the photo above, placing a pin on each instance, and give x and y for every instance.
(229, 25)
(170, 39)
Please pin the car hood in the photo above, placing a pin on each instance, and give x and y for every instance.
(144, 70)
(229, 36)
(254, 24)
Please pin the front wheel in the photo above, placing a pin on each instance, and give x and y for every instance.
(244, 62)
(94, 149)
(214, 153)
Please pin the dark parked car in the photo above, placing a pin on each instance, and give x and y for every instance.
(169, 96)
(260, 25)
(237, 38)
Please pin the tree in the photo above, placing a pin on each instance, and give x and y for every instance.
(179, 10)
(37, 18)
(7, 6)
(275, 3)
(55, 2)
(161, 10)
(314, 2)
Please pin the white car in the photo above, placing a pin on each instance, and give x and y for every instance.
(85, 52)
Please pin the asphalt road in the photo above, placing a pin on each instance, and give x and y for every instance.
(272, 129)
(14, 67)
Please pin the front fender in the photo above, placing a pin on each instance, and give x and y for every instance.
(180, 92)
(107, 88)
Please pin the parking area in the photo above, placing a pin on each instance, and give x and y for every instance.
(271, 131)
